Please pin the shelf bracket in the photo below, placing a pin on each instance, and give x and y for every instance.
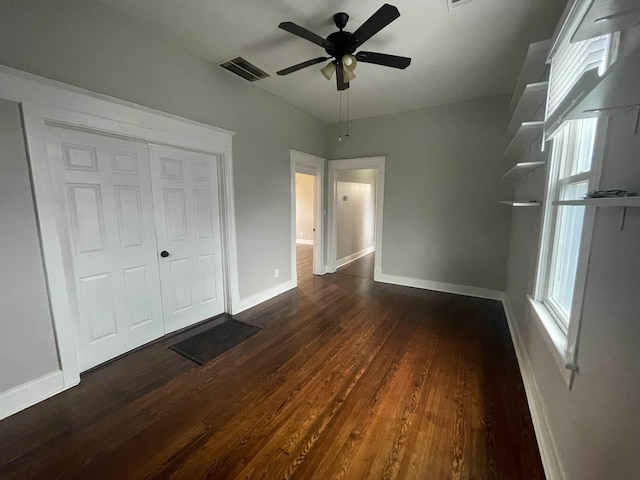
(629, 108)
(623, 217)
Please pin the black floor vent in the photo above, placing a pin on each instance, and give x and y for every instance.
(244, 69)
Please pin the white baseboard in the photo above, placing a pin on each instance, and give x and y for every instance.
(548, 452)
(440, 286)
(300, 241)
(265, 295)
(28, 394)
(354, 256)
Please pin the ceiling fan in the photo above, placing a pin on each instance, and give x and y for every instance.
(341, 46)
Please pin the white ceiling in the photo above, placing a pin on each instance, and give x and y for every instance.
(469, 51)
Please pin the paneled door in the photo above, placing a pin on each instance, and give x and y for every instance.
(185, 191)
(107, 195)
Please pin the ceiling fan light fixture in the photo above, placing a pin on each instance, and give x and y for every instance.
(348, 75)
(349, 63)
(328, 70)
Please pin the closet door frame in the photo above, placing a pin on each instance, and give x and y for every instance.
(45, 102)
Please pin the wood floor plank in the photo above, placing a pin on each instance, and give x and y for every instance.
(362, 267)
(348, 379)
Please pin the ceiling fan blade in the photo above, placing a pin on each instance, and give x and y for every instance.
(376, 22)
(383, 59)
(302, 65)
(306, 34)
(342, 85)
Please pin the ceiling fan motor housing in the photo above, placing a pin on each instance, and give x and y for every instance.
(341, 44)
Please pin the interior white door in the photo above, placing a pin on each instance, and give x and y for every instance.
(185, 190)
(109, 202)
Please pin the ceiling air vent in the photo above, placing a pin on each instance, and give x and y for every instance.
(244, 69)
(457, 3)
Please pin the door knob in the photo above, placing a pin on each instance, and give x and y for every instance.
(164, 254)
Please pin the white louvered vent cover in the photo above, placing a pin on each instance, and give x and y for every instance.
(244, 69)
(568, 64)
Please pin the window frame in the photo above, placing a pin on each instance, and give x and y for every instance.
(563, 343)
(556, 182)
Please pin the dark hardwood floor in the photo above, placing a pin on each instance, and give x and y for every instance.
(362, 267)
(349, 379)
(304, 262)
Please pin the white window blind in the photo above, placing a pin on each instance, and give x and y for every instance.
(570, 61)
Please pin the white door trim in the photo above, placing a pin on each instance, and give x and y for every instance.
(47, 102)
(312, 165)
(373, 163)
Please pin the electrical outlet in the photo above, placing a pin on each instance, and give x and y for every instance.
(276, 273)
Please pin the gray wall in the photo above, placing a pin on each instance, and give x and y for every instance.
(596, 424)
(361, 175)
(84, 44)
(355, 219)
(27, 344)
(442, 220)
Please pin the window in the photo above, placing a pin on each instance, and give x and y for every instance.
(569, 179)
(573, 171)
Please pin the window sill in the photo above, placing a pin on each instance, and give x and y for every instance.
(555, 339)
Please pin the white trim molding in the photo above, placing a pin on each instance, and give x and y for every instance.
(265, 295)
(28, 394)
(302, 241)
(45, 102)
(441, 287)
(546, 444)
(363, 163)
(354, 256)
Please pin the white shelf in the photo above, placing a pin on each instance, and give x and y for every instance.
(530, 106)
(533, 70)
(527, 134)
(615, 92)
(521, 168)
(603, 202)
(513, 203)
(607, 16)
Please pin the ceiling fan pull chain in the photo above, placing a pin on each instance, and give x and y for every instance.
(347, 112)
(340, 117)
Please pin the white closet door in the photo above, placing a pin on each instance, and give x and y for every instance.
(107, 191)
(185, 189)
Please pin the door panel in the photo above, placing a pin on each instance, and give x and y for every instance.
(107, 193)
(185, 189)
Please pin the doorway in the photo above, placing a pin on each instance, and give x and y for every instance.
(307, 200)
(355, 222)
(356, 198)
